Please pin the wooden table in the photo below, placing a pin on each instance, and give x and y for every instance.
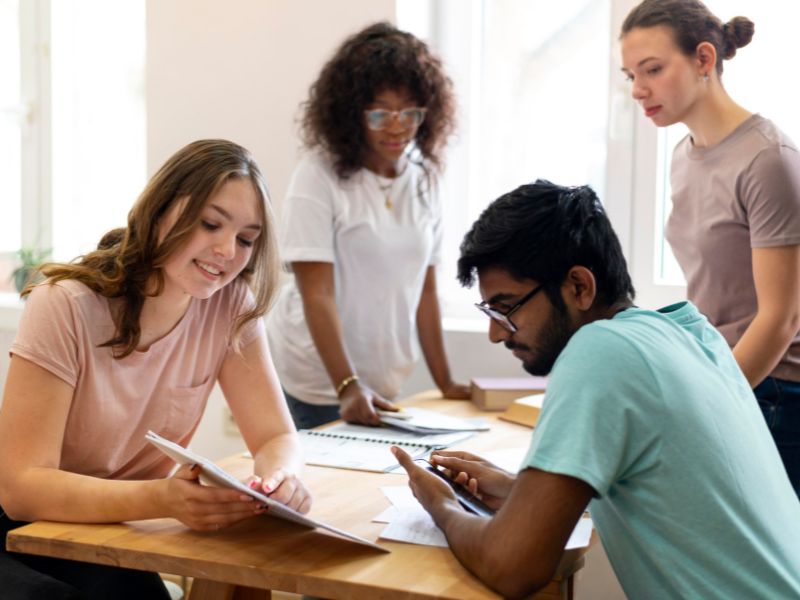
(264, 553)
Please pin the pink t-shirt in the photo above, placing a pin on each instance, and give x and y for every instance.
(116, 401)
(739, 194)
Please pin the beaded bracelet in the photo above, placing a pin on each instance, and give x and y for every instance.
(344, 383)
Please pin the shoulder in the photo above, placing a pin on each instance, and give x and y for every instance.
(316, 163)
(769, 134)
(67, 292)
(608, 350)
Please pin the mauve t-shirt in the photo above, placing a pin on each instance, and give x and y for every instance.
(739, 194)
(116, 401)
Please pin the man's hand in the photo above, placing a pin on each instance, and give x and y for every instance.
(483, 479)
(433, 493)
(358, 404)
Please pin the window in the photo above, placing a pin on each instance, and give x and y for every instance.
(72, 123)
(532, 83)
(541, 95)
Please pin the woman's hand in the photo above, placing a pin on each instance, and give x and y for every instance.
(358, 404)
(285, 488)
(456, 391)
(204, 507)
(483, 479)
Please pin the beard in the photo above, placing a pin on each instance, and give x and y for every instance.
(549, 344)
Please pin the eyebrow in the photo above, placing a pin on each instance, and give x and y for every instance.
(227, 215)
(640, 63)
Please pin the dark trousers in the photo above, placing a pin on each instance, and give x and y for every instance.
(780, 402)
(29, 577)
(308, 416)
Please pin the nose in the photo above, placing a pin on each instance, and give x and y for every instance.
(497, 333)
(395, 126)
(226, 246)
(638, 90)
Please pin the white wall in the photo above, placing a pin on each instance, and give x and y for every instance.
(239, 69)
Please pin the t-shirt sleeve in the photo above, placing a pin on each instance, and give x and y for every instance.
(307, 227)
(48, 333)
(770, 191)
(597, 422)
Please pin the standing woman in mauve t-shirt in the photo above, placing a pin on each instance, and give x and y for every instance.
(132, 337)
(362, 232)
(735, 221)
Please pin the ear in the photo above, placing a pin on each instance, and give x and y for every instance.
(579, 289)
(706, 57)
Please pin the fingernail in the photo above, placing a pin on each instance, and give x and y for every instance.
(270, 485)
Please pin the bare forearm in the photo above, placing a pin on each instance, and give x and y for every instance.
(472, 541)
(763, 344)
(54, 495)
(283, 451)
(429, 328)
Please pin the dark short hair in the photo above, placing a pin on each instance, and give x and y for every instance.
(377, 58)
(692, 23)
(540, 231)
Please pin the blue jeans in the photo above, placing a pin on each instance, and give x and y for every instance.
(780, 402)
(308, 416)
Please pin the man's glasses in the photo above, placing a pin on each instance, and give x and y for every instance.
(379, 119)
(504, 319)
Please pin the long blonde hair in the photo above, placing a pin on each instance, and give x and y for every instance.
(128, 262)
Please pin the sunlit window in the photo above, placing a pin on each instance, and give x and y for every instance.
(72, 123)
(532, 84)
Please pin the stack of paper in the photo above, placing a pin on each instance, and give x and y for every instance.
(426, 422)
(409, 522)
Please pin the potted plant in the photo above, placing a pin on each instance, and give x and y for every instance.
(30, 259)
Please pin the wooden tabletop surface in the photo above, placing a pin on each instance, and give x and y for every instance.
(271, 554)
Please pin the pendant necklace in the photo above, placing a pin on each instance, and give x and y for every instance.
(386, 190)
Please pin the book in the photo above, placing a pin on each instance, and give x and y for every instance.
(211, 474)
(497, 393)
(525, 410)
(348, 446)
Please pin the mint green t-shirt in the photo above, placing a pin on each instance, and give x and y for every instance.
(651, 410)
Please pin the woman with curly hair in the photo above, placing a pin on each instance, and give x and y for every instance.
(132, 337)
(362, 232)
(735, 221)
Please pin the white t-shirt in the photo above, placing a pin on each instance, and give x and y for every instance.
(380, 255)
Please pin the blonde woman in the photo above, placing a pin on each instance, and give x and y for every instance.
(132, 337)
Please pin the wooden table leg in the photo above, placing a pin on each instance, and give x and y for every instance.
(203, 589)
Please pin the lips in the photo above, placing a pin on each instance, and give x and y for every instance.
(649, 111)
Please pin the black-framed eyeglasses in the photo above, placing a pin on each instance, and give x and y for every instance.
(504, 319)
(379, 119)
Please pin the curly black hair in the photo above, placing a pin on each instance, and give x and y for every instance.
(377, 58)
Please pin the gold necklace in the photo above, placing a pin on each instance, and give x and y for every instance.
(386, 190)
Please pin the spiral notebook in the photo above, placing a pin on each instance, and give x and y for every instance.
(347, 446)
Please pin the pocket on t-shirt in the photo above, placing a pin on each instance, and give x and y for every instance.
(186, 407)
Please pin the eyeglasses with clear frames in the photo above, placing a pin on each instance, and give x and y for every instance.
(379, 119)
(504, 319)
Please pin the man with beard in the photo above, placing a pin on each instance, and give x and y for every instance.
(644, 421)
